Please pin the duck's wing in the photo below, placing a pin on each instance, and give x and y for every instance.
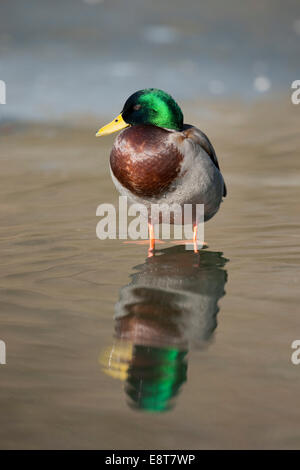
(202, 139)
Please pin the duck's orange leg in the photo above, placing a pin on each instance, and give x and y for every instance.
(151, 239)
(195, 229)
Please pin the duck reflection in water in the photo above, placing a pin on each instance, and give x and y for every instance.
(170, 306)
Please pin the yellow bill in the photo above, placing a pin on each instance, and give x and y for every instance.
(116, 125)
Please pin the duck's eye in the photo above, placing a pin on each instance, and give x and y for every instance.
(137, 107)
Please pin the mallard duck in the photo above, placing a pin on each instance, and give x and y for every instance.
(159, 159)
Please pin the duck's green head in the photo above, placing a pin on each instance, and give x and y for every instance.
(149, 106)
(153, 106)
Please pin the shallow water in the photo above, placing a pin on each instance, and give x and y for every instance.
(198, 352)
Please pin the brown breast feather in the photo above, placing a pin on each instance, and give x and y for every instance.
(144, 161)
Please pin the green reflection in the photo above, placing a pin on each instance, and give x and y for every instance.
(155, 376)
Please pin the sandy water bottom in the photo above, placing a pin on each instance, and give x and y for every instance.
(196, 377)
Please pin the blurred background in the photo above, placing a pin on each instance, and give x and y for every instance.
(87, 56)
(107, 348)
